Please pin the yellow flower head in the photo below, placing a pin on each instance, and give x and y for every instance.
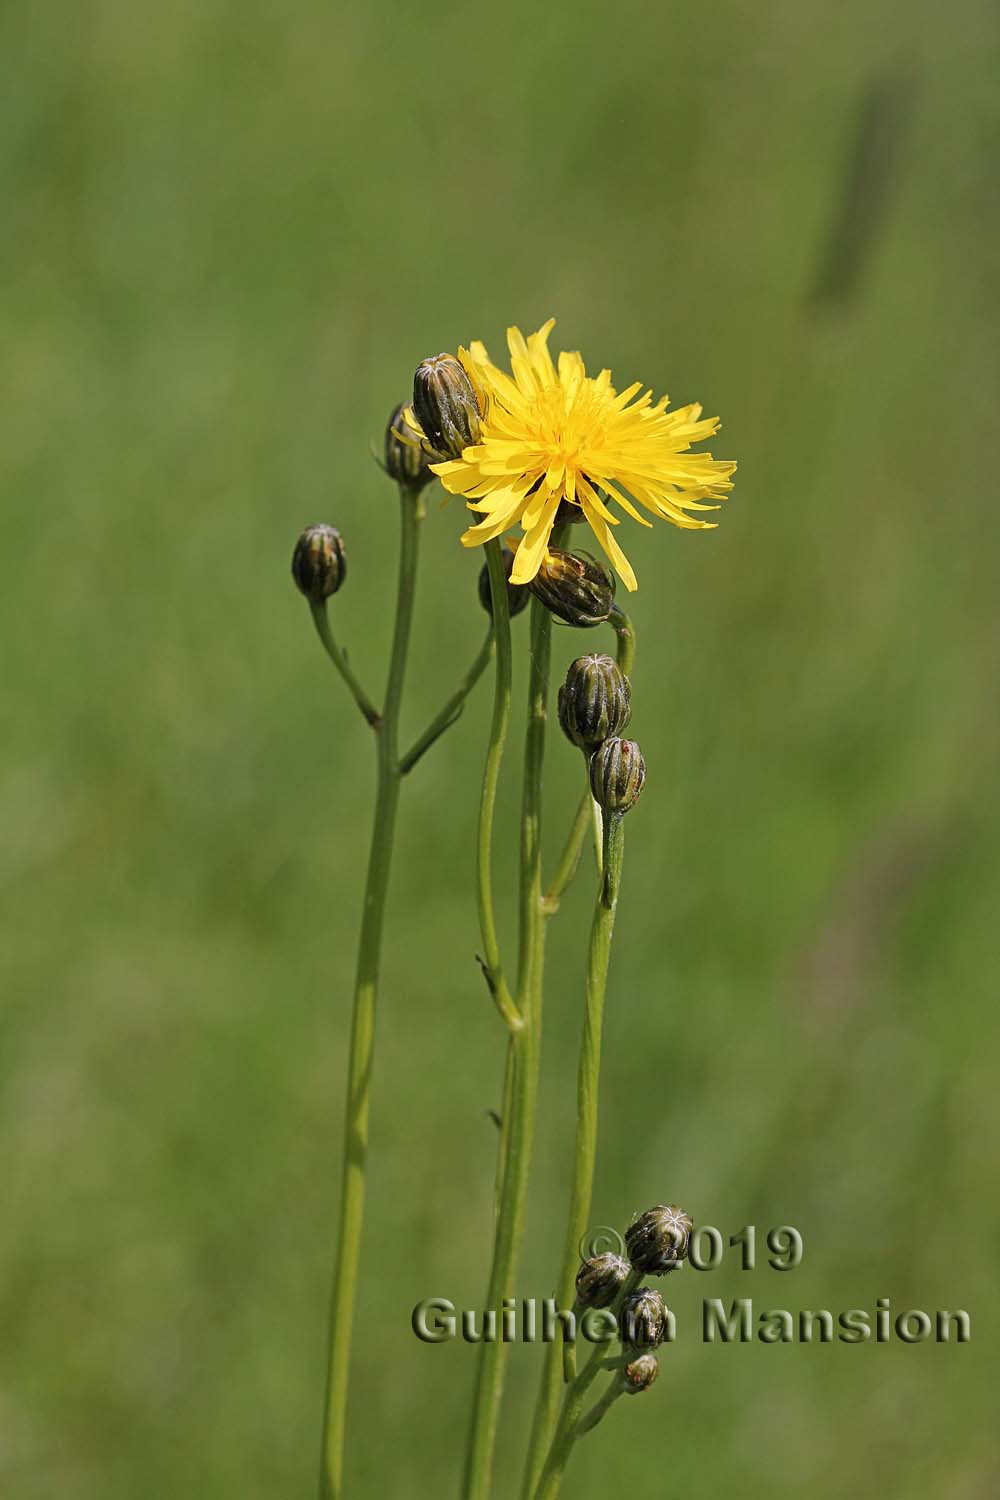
(552, 433)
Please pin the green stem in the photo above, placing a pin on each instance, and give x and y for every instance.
(567, 1430)
(339, 659)
(492, 967)
(600, 1408)
(505, 1114)
(624, 629)
(523, 1059)
(514, 1157)
(452, 709)
(569, 860)
(597, 829)
(573, 1425)
(531, 925)
(360, 1054)
(570, 1426)
(559, 1362)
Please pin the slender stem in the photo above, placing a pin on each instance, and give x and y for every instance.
(483, 1420)
(360, 1055)
(559, 1363)
(339, 659)
(531, 925)
(452, 709)
(492, 967)
(597, 831)
(569, 860)
(514, 1155)
(566, 1431)
(505, 1114)
(570, 1426)
(624, 628)
(600, 1408)
(523, 1061)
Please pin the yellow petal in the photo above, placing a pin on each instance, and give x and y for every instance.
(493, 525)
(528, 558)
(625, 503)
(602, 531)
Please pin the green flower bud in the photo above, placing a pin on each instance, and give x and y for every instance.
(575, 587)
(617, 773)
(640, 1373)
(445, 405)
(644, 1319)
(658, 1239)
(517, 593)
(600, 1279)
(595, 701)
(405, 459)
(319, 564)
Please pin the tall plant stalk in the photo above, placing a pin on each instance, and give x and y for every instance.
(566, 1429)
(361, 1047)
(524, 1025)
(585, 1149)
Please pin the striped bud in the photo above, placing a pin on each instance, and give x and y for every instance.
(600, 1279)
(658, 1239)
(617, 774)
(640, 1373)
(643, 1320)
(445, 405)
(595, 701)
(517, 593)
(575, 587)
(319, 564)
(404, 458)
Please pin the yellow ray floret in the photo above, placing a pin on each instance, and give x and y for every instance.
(552, 433)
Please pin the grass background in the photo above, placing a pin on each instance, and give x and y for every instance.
(231, 232)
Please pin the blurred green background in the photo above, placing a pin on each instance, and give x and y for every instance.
(231, 230)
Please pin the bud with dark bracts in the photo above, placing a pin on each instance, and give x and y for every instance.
(595, 701)
(518, 596)
(319, 564)
(445, 405)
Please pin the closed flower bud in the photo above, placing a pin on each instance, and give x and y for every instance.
(640, 1373)
(575, 587)
(405, 459)
(600, 1279)
(595, 701)
(517, 593)
(658, 1239)
(617, 772)
(319, 564)
(445, 405)
(644, 1319)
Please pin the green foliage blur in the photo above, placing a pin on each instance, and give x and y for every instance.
(231, 231)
